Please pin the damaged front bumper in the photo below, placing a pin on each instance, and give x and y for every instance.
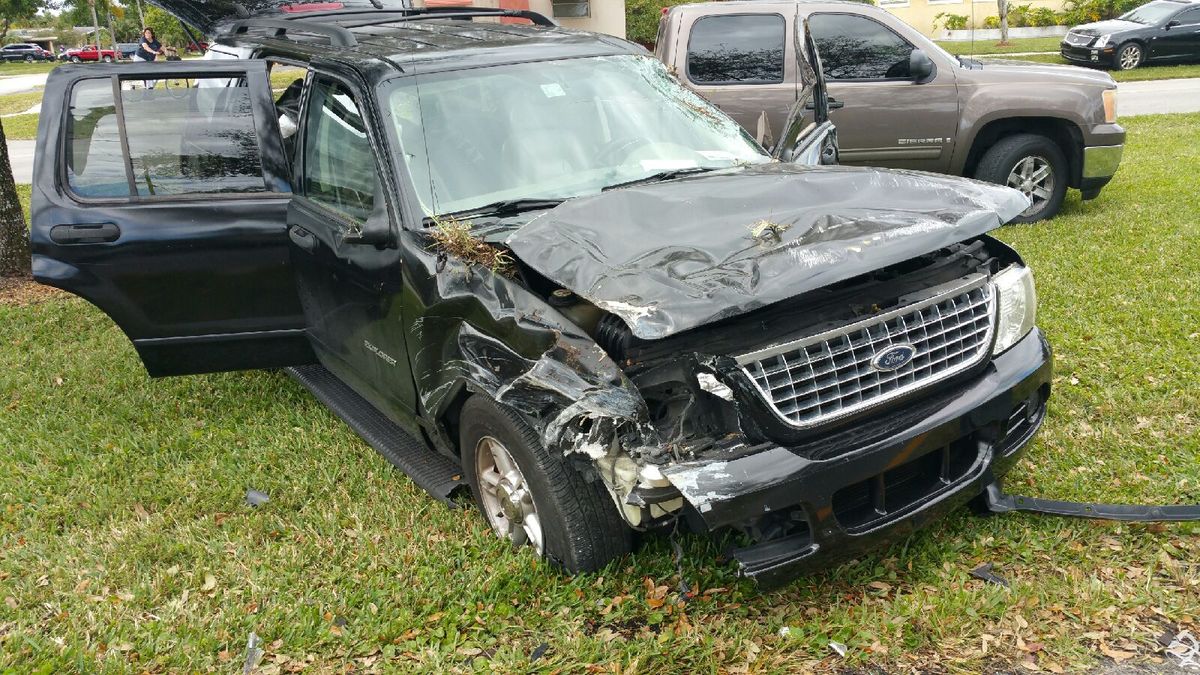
(841, 506)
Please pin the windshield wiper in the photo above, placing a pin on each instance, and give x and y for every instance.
(508, 207)
(658, 177)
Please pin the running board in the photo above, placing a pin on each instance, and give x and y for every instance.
(998, 502)
(434, 473)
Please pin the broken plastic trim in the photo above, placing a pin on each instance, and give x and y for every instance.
(998, 502)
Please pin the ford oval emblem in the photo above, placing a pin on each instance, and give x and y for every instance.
(893, 358)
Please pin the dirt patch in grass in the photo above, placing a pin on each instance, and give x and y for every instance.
(22, 292)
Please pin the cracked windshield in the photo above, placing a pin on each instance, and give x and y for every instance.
(554, 130)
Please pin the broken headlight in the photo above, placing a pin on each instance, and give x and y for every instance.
(1018, 306)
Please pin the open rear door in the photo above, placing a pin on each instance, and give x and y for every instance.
(160, 195)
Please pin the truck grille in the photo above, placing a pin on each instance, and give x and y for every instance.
(1077, 39)
(816, 379)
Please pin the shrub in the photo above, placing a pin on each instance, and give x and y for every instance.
(1042, 16)
(950, 21)
(991, 22)
(1086, 11)
(1018, 16)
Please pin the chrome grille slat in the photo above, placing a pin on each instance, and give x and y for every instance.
(813, 380)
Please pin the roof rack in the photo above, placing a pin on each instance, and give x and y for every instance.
(338, 36)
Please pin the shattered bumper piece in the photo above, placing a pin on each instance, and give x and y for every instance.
(998, 502)
(867, 496)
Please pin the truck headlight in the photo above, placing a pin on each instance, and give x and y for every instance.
(1018, 306)
(1101, 41)
(1110, 105)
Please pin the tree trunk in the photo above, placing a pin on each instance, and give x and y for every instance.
(111, 33)
(4, 28)
(14, 236)
(141, 16)
(1002, 5)
(95, 24)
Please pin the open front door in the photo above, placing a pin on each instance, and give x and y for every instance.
(160, 195)
(808, 136)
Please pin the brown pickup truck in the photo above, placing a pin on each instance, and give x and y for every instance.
(899, 100)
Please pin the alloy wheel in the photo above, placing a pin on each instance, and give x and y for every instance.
(507, 500)
(1131, 57)
(1034, 177)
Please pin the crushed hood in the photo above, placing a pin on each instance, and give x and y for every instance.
(667, 257)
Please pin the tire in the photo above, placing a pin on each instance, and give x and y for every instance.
(75, 59)
(28, 59)
(580, 528)
(1129, 55)
(1004, 164)
(108, 59)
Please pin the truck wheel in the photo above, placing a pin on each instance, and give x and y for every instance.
(530, 495)
(1033, 164)
(74, 59)
(1129, 56)
(107, 59)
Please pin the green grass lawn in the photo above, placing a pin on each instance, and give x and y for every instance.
(1040, 44)
(1137, 75)
(125, 543)
(20, 127)
(17, 103)
(23, 68)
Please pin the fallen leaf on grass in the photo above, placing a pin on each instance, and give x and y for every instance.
(210, 583)
(1116, 654)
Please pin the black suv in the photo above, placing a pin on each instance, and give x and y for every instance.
(1163, 30)
(528, 260)
(24, 52)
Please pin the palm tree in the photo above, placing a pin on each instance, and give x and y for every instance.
(14, 236)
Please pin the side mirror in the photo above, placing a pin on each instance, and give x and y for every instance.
(1171, 24)
(920, 67)
(377, 228)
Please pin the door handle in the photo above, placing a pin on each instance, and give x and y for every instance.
(302, 238)
(85, 233)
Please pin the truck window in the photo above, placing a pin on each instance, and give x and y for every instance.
(736, 49)
(339, 167)
(857, 48)
(183, 137)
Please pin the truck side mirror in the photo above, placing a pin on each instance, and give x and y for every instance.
(377, 228)
(920, 67)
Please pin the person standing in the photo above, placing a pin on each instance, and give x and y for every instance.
(148, 49)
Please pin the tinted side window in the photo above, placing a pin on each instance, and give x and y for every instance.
(339, 168)
(857, 48)
(737, 49)
(1189, 18)
(193, 136)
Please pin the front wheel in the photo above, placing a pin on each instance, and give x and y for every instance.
(530, 496)
(108, 59)
(75, 59)
(1032, 164)
(1129, 56)
(28, 59)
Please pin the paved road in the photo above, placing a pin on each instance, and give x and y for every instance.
(20, 153)
(1158, 97)
(15, 84)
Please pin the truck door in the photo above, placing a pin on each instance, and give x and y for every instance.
(743, 63)
(350, 288)
(886, 118)
(165, 207)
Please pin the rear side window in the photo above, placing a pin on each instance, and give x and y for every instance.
(1189, 18)
(858, 48)
(339, 167)
(737, 49)
(183, 137)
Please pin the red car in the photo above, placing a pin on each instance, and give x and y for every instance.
(89, 53)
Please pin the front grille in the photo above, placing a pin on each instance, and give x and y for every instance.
(1078, 40)
(816, 379)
